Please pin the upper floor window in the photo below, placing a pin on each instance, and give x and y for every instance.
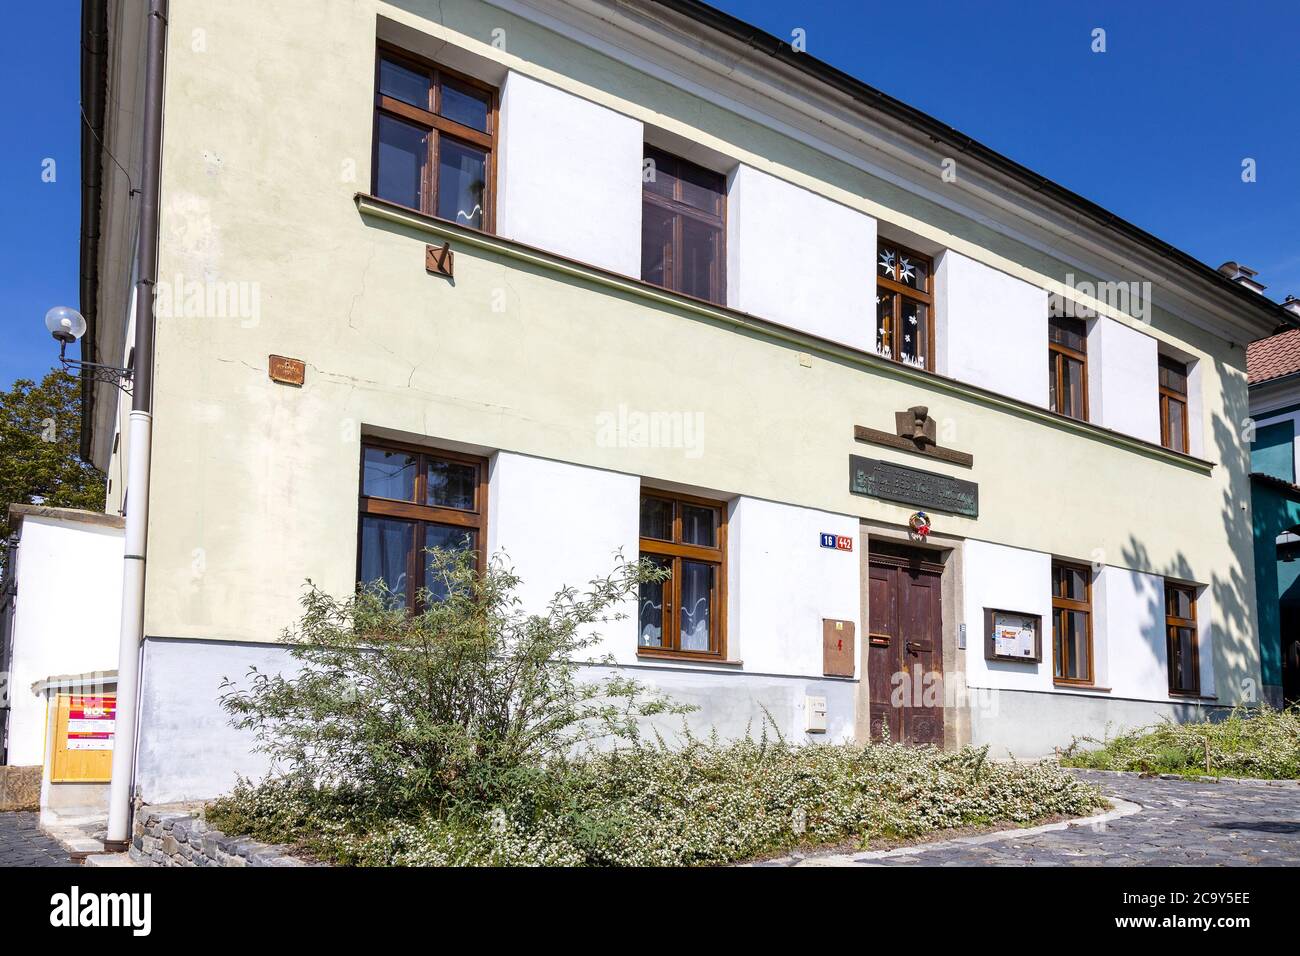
(1173, 404)
(1071, 623)
(904, 301)
(1067, 366)
(412, 500)
(683, 614)
(435, 136)
(1180, 633)
(683, 227)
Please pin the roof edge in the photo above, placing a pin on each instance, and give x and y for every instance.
(17, 512)
(94, 94)
(1268, 312)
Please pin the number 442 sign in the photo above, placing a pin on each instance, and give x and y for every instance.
(840, 542)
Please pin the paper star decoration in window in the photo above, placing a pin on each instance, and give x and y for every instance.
(887, 263)
(906, 269)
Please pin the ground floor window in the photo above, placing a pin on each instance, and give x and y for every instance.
(683, 615)
(1071, 623)
(413, 499)
(1180, 633)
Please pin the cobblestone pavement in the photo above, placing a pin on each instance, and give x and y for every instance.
(23, 844)
(1181, 823)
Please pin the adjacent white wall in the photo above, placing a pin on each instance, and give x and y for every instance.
(1009, 579)
(1123, 384)
(569, 176)
(782, 583)
(800, 259)
(990, 329)
(69, 578)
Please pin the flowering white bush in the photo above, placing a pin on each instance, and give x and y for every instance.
(1248, 743)
(705, 803)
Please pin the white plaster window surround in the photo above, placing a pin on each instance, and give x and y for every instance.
(1123, 379)
(562, 525)
(782, 584)
(800, 259)
(990, 328)
(569, 175)
(1205, 640)
(1009, 579)
(1195, 399)
(1129, 633)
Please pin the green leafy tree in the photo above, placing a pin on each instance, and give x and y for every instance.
(40, 431)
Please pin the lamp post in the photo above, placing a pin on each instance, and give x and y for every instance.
(67, 326)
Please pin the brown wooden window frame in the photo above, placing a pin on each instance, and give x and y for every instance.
(1057, 355)
(903, 291)
(679, 210)
(1060, 603)
(1172, 624)
(437, 126)
(423, 514)
(1170, 395)
(674, 552)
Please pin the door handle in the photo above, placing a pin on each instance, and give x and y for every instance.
(915, 646)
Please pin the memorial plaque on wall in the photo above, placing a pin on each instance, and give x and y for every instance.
(912, 486)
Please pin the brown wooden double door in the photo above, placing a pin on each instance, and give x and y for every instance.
(905, 641)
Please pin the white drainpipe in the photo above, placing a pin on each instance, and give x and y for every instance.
(132, 627)
(138, 446)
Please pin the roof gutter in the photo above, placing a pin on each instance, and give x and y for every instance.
(94, 90)
(882, 102)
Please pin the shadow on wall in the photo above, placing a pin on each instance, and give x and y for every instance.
(1235, 644)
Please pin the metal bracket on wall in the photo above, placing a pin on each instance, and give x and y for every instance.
(439, 261)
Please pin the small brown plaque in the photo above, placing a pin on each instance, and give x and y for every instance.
(837, 648)
(439, 260)
(288, 371)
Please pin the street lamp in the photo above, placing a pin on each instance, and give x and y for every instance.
(67, 325)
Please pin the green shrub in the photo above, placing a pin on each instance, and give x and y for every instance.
(1262, 743)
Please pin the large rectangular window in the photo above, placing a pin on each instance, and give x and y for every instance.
(1180, 634)
(1067, 366)
(1173, 404)
(904, 306)
(413, 499)
(683, 615)
(1072, 623)
(435, 138)
(683, 227)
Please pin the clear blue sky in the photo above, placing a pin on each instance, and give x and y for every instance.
(1154, 129)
